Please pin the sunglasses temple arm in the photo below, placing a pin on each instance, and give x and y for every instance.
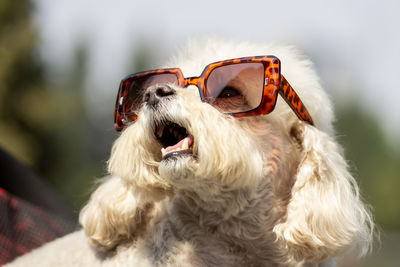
(293, 100)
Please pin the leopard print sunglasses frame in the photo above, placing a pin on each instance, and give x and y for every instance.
(274, 83)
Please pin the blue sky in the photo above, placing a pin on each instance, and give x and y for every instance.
(355, 44)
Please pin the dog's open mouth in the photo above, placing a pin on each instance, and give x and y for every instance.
(174, 139)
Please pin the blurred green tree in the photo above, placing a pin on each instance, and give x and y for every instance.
(21, 79)
(375, 163)
(41, 125)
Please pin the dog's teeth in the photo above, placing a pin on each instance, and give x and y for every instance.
(185, 144)
(163, 152)
(160, 130)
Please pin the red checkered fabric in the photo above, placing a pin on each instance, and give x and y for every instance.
(24, 226)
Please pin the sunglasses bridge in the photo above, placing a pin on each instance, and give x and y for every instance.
(196, 81)
(191, 81)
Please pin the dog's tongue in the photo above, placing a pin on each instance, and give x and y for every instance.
(184, 144)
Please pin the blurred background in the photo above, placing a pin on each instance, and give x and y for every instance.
(61, 63)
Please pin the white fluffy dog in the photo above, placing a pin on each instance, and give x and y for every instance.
(266, 190)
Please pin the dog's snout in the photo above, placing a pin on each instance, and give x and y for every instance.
(155, 93)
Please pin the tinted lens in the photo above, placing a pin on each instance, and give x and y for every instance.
(236, 87)
(136, 86)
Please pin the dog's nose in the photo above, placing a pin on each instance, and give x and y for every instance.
(157, 92)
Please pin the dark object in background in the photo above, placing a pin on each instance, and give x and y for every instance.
(31, 213)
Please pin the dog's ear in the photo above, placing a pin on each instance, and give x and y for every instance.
(114, 213)
(122, 207)
(325, 214)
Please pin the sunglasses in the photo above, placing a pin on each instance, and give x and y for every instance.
(240, 87)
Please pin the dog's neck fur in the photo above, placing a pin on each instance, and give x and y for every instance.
(251, 210)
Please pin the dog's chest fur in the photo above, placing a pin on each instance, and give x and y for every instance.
(199, 237)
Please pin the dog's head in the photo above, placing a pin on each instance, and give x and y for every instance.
(181, 144)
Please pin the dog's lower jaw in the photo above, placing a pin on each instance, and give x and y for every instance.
(178, 170)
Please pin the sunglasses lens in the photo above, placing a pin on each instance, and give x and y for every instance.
(133, 90)
(236, 87)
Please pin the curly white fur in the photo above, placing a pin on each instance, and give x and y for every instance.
(259, 191)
